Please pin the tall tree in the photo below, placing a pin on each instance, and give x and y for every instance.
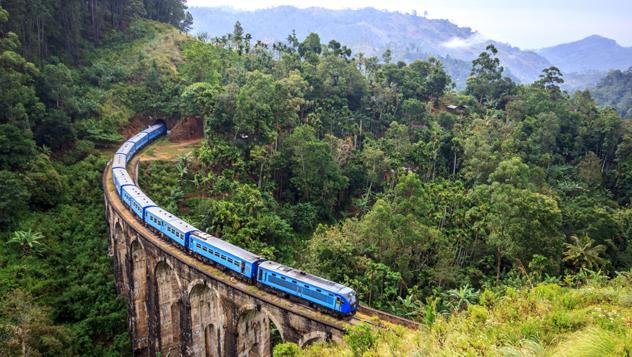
(486, 82)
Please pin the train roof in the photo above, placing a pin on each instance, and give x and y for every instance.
(123, 177)
(119, 162)
(136, 138)
(181, 225)
(125, 148)
(227, 247)
(153, 128)
(161, 213)
(307, 278)
(139, 196)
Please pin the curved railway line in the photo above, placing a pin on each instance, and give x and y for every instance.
(363, 315)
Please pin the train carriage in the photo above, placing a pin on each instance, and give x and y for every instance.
(139, 141)
(179, 231)
(225, 254)
(121, 179)
(136, 200)
(314, 289)
(119, 162)
(156, 217)
(154, 131)
(126, 149)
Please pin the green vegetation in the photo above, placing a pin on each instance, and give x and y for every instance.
(478, 213)
(548, 319)
(615, 90)
(57, 294)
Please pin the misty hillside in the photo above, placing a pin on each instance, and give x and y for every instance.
(371, 32)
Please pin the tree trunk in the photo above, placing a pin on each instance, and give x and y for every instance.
(497, 266)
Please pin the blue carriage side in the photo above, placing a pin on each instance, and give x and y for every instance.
(178, 231)
(126, 149)
(154, 131)
(317, 290)
(225, 254)
(121, 179)
(136, 200)
(119, 162)
(156, 217)
(139, 141)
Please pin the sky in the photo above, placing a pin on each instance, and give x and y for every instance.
(528, 24)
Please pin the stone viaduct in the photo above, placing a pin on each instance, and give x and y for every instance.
(179, 306)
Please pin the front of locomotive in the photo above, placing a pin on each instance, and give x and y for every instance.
(349, 303)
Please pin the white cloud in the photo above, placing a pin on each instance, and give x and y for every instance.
(463, 43)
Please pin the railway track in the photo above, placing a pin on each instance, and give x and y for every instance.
(383, 316)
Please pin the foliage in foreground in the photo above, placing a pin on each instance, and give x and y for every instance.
(548, 319)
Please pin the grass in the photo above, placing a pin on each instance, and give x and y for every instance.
(165, 150)
(547, 320)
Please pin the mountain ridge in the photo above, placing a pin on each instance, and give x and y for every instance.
(411, 37)
(594, 52)
(371, 32)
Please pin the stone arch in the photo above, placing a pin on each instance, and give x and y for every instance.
(139, 292)
(118, 241)
(313, 337)
(254, 332)
(206, 321)
(169, 305)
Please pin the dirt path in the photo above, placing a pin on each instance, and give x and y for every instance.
(166, 150)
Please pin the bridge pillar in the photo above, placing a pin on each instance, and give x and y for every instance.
(252, 332)
(169, 306)
(138, 298)
(206, 320)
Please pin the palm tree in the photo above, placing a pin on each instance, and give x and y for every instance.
(582, 254)
(28, 241)
(460, 298)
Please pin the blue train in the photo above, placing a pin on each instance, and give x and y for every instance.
(320, 293)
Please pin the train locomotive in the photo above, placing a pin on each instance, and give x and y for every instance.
(322, 294)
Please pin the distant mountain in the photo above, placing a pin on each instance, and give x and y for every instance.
(593, 53)
(371, 32)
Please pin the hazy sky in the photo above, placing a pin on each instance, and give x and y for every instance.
(523, 23)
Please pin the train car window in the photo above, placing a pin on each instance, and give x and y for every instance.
(198, 245)
(223, 257)
(283, 277)
(216, 254)
(274, 274)
(294, 281)
(230, 260)
(260, 273)
(307, 286)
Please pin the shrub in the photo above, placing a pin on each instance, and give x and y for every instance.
(488, 298)
(360, 338)
(477, 313)
(288, 349)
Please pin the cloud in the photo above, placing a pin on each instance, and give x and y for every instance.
(463, 43)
